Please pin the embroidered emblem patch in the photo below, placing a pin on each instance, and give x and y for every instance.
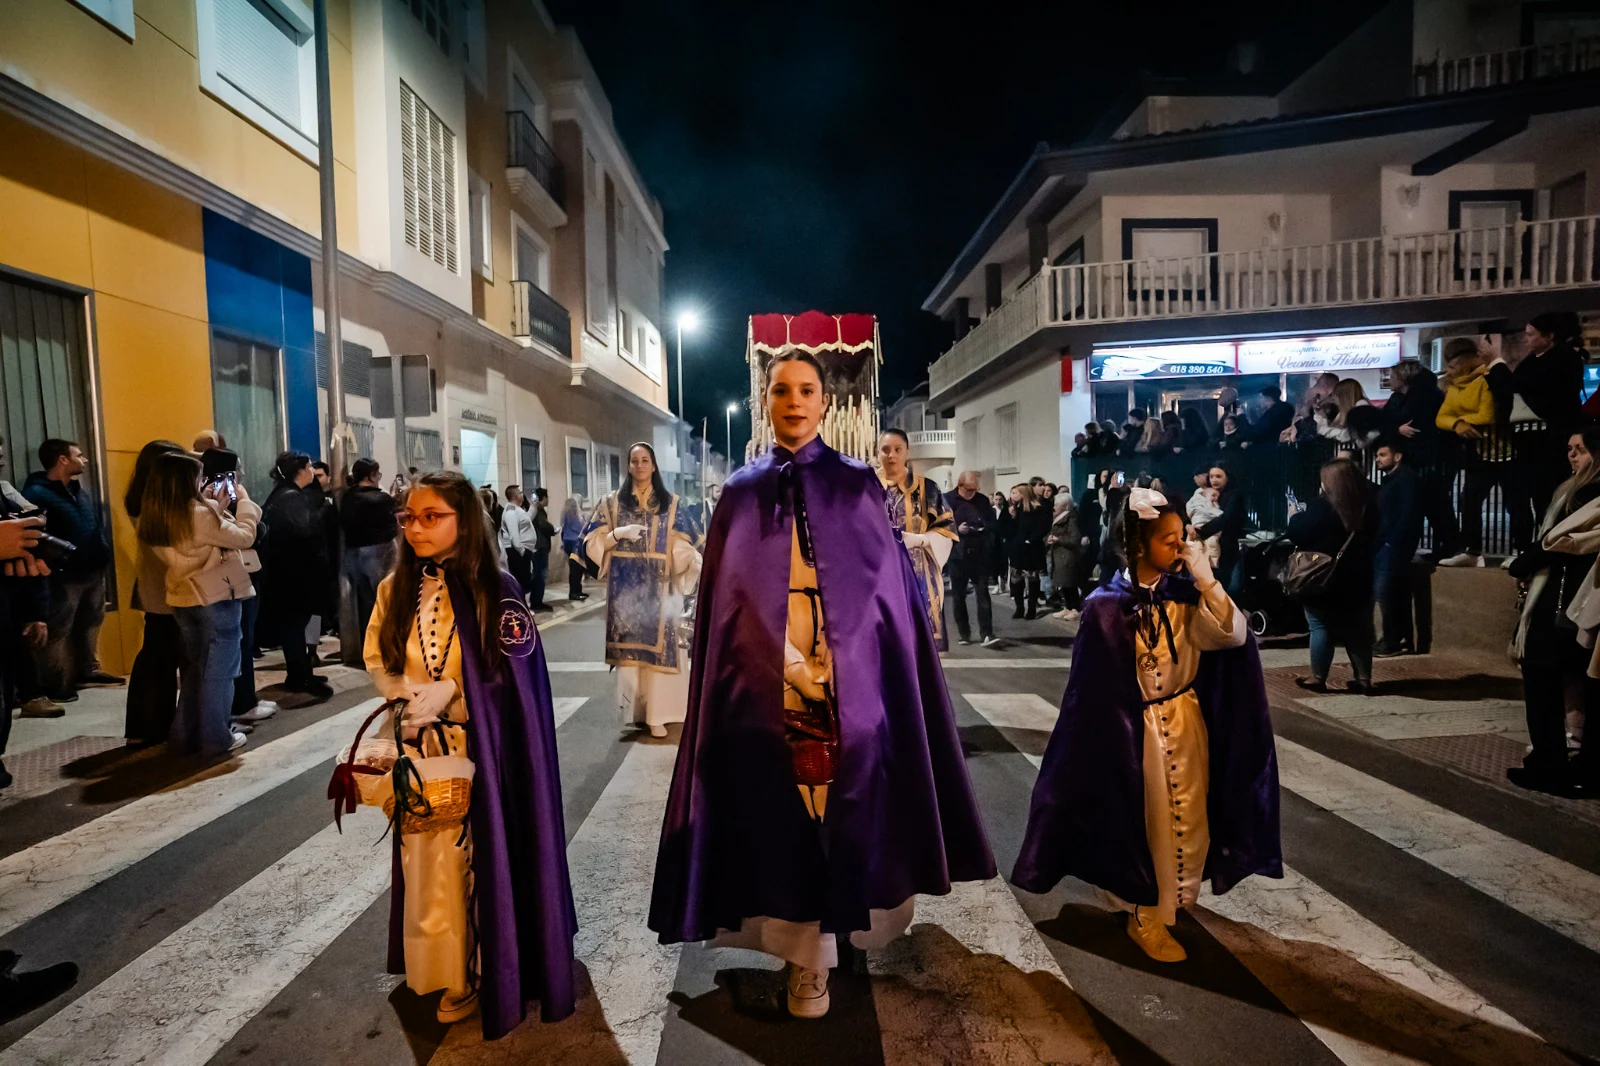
(517, 632)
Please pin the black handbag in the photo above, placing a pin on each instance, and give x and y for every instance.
(1309, 574)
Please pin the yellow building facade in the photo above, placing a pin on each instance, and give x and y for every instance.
(144, 193)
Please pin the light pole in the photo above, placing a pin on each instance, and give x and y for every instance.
(732, 407)
(687, 320)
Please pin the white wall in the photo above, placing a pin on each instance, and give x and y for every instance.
(1432, 212)
(1243, 222)
(1038, 429)
(1451, 29)
(1165, 114)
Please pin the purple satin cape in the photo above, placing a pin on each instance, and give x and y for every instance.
(1087, 815)
(523, 894)
(736, 842)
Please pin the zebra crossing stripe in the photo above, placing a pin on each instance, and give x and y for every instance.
(36, 879)
(567, 706)
(185, 998)
(1552, 892)
(612, 861)
(1359, 990)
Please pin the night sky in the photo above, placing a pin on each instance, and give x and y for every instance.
(838, 155)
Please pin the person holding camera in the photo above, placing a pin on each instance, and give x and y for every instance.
(295, 560)
(70, 658)
(199, 542)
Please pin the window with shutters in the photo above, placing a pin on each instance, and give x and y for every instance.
(435, 18)
(1006, 442)
(478, 220)
(428, 177)
(259, 58)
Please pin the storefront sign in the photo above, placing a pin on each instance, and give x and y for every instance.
(1162, 361)
(469, 415)
(1339, 353)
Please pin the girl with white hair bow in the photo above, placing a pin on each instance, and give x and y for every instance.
(1161, 770)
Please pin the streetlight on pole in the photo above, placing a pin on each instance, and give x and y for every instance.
(687, 320)
(732, 407)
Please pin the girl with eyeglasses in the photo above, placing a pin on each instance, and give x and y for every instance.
(485, 914)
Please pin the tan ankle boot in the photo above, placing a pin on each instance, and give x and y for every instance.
(1153, 937)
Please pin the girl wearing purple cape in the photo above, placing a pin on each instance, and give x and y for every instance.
(820, 784)
(485, 914)
(1161, 770)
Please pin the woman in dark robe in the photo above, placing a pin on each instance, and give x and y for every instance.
(1161, 770)
(820, 784)
(485, 914)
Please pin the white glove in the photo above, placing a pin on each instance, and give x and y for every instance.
(427, 704)
(1195, 561)
(622, 533)
(797, 673)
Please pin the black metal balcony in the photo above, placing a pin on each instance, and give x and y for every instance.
(536, 314)
(527, 149)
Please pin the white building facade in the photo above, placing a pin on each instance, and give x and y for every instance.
(1396, 193)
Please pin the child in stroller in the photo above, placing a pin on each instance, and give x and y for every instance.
(1262, 558)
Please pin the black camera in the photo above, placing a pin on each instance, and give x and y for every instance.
(52, 550)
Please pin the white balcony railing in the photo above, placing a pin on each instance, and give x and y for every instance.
(1490, 69)
(932, 436)
(1516, 257)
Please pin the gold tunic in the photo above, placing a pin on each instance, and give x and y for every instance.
(438, 872)
(1176, 751)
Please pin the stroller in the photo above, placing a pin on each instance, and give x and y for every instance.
(1270, 610)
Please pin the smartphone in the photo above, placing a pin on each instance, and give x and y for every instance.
(1121, 479)
(216, 463)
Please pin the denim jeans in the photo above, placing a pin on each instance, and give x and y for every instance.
(1391, 586)
(365, 568)
(1349, 626)
(212, 640)
(244, 686)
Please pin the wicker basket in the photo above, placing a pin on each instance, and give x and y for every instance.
(447, 787)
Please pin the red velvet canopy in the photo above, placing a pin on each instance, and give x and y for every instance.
(813, 332)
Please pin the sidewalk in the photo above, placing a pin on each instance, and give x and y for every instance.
(45, 754)
(1459, 709)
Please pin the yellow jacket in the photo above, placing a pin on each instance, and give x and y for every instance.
(1467, 400)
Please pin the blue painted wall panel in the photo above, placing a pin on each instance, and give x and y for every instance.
(258, 290)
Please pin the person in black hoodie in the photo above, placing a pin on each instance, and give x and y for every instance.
(1546, 396)
(1399, 532)
(296, 566)
(1411, 417)
(370, 528)
(1342, 523)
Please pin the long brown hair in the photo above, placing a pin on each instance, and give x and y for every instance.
(1029, 501)
(1348, 492)
(171, 490)
(474, 561)
(134, 498)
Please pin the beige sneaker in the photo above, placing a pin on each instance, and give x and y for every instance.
(1153, 937)
(808, 992)
(453, 1008)
(42, 707)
